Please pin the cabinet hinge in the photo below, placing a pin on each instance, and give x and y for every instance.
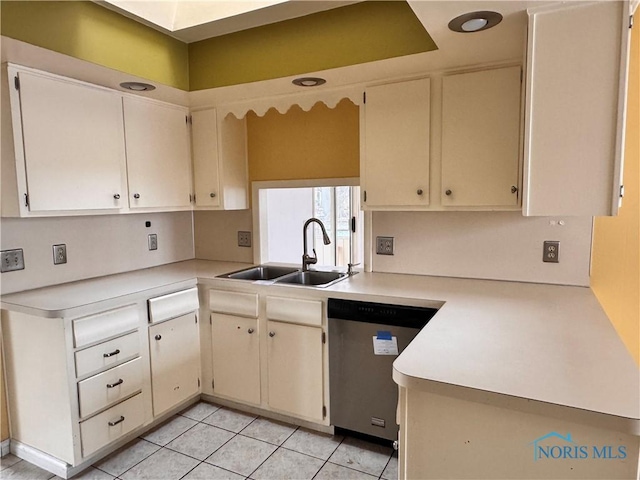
(365, 195)
(521, 75)
(16, 82)
(210, 321)
(364, 97)
(324, 337)
(213, 384)
(196, 318)
(630, 22)
(621, 191)
(198, 383)
(26, 199)
(353, 224)
(324, 411)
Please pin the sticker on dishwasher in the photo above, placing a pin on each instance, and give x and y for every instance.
(385, 346)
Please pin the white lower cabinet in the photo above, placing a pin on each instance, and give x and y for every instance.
(174, 348)
(236, 357)
(295, 369)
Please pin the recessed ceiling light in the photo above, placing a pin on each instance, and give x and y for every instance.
(309, 81)
(475, 22)
(137, 86)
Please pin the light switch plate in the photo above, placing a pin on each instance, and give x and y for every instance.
(384, 245)
(59, 254)
(12, 260)
(153, 241)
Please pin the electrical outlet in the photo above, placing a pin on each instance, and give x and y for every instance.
(384, 245)
(153, 241)
(244, 239)
(59, 254)
(551, 252)
(12, 260)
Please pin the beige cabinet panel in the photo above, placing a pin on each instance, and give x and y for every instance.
(174, 348)
(73, 144)
(204, 142)
(158, 154)
(107, 354)
(295, 369)
(395, 150)
(481, 138)
(111, 424)
(236, 357)
(577, 60)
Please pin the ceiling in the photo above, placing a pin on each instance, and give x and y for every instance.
(192, 21)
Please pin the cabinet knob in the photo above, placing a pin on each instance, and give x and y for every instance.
(116, 196)
(514, 189)
(448, 192)
(136, 195)
(250, 331)
(158, 337)
(419, 192)
(212, 195)
(272, 334)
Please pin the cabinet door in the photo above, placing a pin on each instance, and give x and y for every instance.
(577, 61)
(158, 155)
(236, 357)
(395, 151)
(481, 138)
(204, 140)
(295, 369)
(73, 145)
(175, 361)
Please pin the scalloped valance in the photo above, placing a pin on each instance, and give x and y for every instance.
(283, 103)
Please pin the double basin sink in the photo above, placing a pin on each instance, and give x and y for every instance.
(287, 275)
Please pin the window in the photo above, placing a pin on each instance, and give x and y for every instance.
(284, 211)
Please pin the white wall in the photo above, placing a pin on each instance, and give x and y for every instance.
(488, 245)
(216, 235)
(96, 245)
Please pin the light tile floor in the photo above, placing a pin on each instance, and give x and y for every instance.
(208, 442)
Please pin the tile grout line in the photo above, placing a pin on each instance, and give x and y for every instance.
(271, 454)
(330, 455)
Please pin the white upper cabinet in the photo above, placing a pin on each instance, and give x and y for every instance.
(68, 146)
(394, 145)
(158, 154)
(481, 138)
(219, 160)
(577, 60)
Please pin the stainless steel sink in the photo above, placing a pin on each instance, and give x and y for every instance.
(312, 278)
(262, 272)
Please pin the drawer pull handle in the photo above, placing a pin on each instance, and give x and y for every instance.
(120, 420)
(113, 385)
(115, 352)
(158, 337)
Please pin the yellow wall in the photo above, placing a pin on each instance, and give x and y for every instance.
(358, 33)
(321, 143)
(615, 270)
(90, 32)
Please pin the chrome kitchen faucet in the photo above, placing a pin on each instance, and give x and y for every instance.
(306, 258)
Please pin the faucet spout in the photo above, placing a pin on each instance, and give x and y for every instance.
(306, 258)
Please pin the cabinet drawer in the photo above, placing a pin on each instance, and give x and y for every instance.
(107, 324)
(108, 353)
(109, 387)
(173, 305)
(307, 312)
(111, 424)
(244, 304)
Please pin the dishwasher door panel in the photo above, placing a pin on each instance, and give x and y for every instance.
(362, 392)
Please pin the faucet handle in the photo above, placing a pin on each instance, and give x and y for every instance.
(350, 269)
(315, 256)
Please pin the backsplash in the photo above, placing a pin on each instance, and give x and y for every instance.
(486, 245)
(216, 235)
(96, 245)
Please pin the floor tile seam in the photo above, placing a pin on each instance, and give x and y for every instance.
(194, 467)
(355, 469)
(12, 465)
(138, 463)
(162, 425)
(263, 462)
(386, 465)
(327, 460)
(267, 441)
(289, 449)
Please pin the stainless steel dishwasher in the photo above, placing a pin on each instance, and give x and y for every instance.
(364, 340)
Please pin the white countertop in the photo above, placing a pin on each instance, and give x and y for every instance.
(549, 344)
